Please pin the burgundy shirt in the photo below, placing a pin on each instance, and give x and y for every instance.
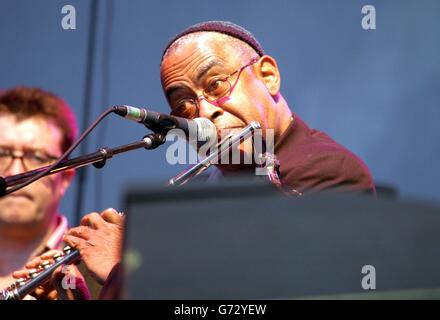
(311, 161)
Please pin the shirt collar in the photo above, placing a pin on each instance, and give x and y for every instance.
(56, 238)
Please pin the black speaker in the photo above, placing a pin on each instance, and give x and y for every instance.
(242, 240)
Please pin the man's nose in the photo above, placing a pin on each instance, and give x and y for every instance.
(209, 110)
(16, 167)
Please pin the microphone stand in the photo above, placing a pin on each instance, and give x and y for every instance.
(98, 159)
(219, 150)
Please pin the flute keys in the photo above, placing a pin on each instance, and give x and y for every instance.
(58, 256)
(33, 273)
(19, 282)
(67, 249)
(46, 264)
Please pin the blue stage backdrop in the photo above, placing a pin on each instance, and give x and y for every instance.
(374, 91)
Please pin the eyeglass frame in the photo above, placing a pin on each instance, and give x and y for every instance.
(217, 101)
(13, 155)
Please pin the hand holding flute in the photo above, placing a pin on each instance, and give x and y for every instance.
(59, 286)
(97, 241)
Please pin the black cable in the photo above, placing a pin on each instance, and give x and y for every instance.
(65, 154)
(106, 83)
(88, 86)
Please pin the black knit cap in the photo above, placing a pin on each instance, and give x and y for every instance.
(225, 27)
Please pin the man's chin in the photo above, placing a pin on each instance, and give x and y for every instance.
(18, 215)
(16, 220)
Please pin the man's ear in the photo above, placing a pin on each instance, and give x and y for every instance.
(267, 71)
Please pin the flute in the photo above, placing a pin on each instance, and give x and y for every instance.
(201, 166)
(24, 286)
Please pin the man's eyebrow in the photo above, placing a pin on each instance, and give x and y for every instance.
(175, 88)
(204, 69)
(200, 73)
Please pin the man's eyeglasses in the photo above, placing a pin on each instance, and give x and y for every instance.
(31, 159)
(217, 89)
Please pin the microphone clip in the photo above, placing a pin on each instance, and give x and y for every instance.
(154, 140)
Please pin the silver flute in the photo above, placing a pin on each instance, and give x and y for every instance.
(224, 146)
(267, 162)
(37, 277)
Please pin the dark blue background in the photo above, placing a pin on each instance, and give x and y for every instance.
(376, 92)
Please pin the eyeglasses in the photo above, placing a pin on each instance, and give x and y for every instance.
(216, 90)
(31, 159)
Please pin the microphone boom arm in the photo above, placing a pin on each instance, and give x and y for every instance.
(98, 159)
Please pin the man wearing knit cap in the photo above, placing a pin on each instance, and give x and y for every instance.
(218, 70)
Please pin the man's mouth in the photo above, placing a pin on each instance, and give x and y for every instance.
(225, 132)
(20, 195)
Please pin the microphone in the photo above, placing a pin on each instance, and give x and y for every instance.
(205, 130)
